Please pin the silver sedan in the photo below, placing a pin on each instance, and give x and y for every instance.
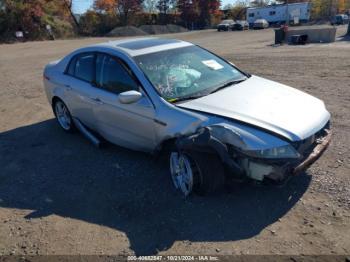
(214, 121)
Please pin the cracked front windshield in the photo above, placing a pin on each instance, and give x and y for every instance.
(186, 72)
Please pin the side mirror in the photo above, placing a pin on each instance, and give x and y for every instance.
(129, 97)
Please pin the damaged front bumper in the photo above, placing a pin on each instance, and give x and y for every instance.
(280, 170)
(322, 145)
(241, 165)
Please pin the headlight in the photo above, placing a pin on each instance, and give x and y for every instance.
(286, 151)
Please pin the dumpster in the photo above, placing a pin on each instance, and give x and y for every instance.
(299, 39)
(279, 36)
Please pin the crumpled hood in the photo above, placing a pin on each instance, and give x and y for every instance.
(266, 104)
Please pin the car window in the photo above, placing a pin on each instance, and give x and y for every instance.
(71, 67)
(112, 76)
(84, 67)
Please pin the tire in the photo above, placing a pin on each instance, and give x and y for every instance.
(63, 116)
(207, 171)
(211, 173)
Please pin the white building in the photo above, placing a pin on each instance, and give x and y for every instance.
(298, 12)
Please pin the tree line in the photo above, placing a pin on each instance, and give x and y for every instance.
(193, 14)
(34, 16)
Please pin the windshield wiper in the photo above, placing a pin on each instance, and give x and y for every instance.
(227, 84)
(185, 98)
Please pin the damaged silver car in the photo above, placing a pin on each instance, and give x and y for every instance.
(215, 121)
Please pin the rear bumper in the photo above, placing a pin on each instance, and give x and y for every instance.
(315, 154)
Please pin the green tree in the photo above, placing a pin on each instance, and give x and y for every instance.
(94, 23)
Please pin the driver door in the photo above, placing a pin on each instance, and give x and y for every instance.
(129, 125)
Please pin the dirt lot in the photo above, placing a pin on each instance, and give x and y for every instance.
(61, 195)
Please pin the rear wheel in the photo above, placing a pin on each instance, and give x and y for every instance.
(201, 173)
(63, 116)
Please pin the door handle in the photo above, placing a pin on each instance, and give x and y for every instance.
(97, 100)
(68, 87)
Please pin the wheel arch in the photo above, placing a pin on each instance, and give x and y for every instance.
(166, 145)
(56, 98)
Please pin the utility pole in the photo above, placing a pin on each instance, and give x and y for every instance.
(287, 13)
(331, 9)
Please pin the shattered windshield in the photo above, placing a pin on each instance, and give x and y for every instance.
(187, 72)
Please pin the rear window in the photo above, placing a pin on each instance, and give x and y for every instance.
(82, 67)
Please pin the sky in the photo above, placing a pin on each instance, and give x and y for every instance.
(80, 6)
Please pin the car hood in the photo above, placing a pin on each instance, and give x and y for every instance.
(281, 109)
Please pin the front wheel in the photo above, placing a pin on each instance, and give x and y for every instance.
(201, 173)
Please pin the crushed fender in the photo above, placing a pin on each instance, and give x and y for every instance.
(204, 141)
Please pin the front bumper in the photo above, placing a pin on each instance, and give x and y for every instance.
(280, 170)
(257, 169)
(315, 154)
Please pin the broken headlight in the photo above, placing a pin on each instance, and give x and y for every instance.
(286, 151)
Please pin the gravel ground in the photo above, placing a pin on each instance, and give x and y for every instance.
(60, 195)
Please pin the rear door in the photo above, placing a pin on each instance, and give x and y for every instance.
(80, 90)
(128, 125)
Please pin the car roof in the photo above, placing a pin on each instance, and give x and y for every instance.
(145, 45)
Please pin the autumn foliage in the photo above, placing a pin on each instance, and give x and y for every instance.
(198, 13)
(123, 8)
(32, 17)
